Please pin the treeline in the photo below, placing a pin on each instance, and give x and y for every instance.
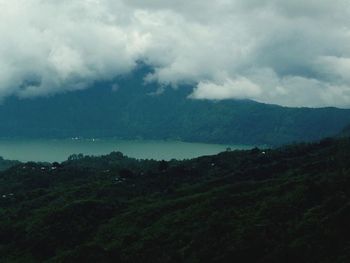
(290, 204)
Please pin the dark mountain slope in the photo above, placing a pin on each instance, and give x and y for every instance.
(345, 132)
(131, 112)
(291, 204)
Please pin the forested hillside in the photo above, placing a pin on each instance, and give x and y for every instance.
(128, 109)
(5, 164)
(291, 204)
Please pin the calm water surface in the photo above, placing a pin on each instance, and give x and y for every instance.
(50, 150)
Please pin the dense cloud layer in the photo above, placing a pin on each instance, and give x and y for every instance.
(291, 52)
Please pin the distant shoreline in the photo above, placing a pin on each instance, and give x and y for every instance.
(58, 149)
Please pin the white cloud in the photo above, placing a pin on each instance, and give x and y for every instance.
(240, 88)
(291, 52)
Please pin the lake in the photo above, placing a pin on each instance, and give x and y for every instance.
(50, 150)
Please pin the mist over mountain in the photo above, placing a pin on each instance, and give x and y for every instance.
(291, 53)
(103, 103)
(206, 62)
(128, 108)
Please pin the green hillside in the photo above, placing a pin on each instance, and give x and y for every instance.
(133, 111)
(291, 204)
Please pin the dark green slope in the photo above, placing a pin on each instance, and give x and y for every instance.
(345, 132)
(131, 112)
(291, 204)
(6, 164)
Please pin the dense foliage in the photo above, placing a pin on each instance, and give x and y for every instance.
(134, 111)
(290, 204)
(5, 164)
(345, 132)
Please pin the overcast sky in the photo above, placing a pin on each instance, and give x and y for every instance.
(290, 52)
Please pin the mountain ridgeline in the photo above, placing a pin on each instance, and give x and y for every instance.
(290, 204)
(132, 110)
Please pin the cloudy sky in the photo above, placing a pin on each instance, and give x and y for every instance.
(290, 52)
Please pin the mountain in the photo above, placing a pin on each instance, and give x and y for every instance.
(345, 132)
(133, 110)
(290, 204)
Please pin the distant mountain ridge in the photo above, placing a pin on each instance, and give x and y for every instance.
(133, 110)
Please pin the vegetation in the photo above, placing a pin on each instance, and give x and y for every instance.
(133, 112)
(345, 132)
(5, 164)
(291, 204)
